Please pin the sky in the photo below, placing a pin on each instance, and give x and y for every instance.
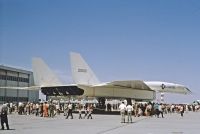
(121, 40)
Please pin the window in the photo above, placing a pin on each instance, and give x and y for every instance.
(14, 78)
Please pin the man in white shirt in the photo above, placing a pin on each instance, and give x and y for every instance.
(122, 108)
(129, 110)
(69, 111)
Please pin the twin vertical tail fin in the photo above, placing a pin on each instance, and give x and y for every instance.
(81, 72)
(43, 75)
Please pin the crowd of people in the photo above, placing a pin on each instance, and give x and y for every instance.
(156, 109)
(127, 111)
(51, 109)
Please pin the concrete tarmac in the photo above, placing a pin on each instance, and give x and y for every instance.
(104, 124)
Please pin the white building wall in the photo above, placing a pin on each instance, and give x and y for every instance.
(23, 75)
(3, 82)
(2, 92)
(23, 93)
(16, 77)
(2, 72)
(12, 73)
(33, 95)
(12, 83)
(11, 92)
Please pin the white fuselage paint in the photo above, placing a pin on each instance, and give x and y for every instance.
(159, 86)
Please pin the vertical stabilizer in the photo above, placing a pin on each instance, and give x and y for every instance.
(43, 75)
(81, 72)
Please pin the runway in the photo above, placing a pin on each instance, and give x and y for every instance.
(104, 124)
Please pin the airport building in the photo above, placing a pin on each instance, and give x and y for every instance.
(13, 77)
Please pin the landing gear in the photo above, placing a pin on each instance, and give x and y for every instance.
(129, 101)
(101, 104)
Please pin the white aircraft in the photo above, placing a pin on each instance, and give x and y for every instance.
(85, 78)
(87, 84)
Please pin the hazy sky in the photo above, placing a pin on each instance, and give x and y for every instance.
(120, 40)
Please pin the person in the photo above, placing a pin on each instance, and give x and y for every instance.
(45, 109)
(41, 109)
(20, 106)
(157, 112)
(129, 109)
(86, 111)
(122, 108)
(160, 108)
(80, 111)
(69, 111)
(90, 109)
(182, 110)
(51, 110)
(65, 109)
(58, 108)
(109, 107)
(4, 117)
(140, 112)
(37, 109)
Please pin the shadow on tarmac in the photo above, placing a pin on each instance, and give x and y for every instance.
(6, 129)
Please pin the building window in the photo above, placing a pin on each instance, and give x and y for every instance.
(14, 78)
(13, 99)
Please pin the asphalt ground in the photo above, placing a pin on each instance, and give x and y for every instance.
(104, 124)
